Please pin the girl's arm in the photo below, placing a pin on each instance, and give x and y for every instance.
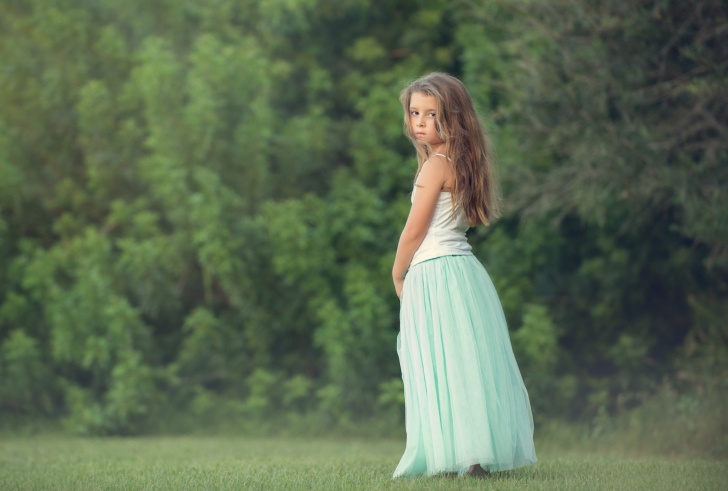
(431, 179)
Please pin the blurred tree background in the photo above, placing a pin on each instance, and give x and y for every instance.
(201, 200)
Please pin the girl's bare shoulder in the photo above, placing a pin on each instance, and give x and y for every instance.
(439, 161)
(443, 166)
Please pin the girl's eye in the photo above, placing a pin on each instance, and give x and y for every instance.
(432, 115)
(413, 113)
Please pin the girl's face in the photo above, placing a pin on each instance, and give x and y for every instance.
(422, 113)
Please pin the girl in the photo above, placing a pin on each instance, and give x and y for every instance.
(467, 409)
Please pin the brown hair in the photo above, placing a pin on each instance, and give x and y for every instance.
(466, 145)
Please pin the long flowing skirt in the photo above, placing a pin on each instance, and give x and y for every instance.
(465, 401)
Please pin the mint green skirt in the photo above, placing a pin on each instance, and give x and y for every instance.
(465, 401)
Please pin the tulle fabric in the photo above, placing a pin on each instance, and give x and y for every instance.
(465, 401)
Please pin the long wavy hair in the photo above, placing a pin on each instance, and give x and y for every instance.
(467, 146)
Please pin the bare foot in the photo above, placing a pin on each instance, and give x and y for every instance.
(476, 471)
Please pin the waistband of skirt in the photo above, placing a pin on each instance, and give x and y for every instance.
(441, 256)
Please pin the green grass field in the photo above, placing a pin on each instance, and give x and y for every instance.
(236, 463)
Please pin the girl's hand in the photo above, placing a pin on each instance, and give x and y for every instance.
(398, 284)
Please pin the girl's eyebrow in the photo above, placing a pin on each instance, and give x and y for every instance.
(413, 108)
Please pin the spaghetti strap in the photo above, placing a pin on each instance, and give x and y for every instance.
(441, 155)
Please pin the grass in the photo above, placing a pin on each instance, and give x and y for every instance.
(236, 463)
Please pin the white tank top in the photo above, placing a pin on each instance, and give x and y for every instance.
(445, 234)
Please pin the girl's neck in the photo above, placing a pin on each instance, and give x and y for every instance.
(438, 149)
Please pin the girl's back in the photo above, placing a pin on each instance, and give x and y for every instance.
(446, 231)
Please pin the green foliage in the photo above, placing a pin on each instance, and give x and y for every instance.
(685, 415)
(261, 383)
(124, 405)
(208, 354)
(296, 391)
(26, 384)
(536, 347)
(535, 340)
(200, 201)
(594, 105)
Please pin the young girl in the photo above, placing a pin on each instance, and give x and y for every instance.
(467, 409)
